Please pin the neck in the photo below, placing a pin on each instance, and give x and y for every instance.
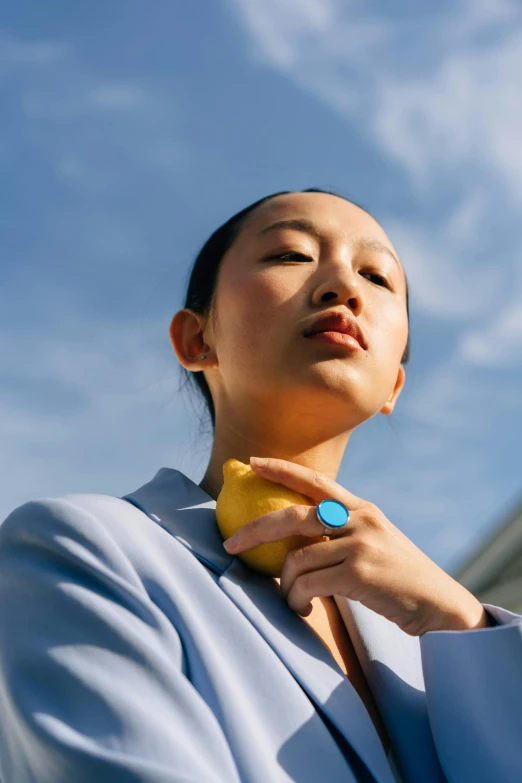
(306, 441)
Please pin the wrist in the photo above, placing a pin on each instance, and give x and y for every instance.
(469, 616)
(485, 620)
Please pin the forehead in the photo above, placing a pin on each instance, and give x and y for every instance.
(332, 215)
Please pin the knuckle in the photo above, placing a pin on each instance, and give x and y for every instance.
(359, 558)
(296, 512)
(357, 547)
(302, 583)
(298, 556)
(322, 481)
(360, 569)
(371, 515)
(282, 466)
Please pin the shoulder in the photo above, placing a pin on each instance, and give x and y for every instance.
(84, 528)
(74, 513)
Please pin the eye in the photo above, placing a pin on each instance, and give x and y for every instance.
(383, 281)
(289, 256)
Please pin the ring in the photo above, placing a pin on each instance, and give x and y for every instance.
(332, 514)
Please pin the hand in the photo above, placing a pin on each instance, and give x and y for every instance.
(369, 560)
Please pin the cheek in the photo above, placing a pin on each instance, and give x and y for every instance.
(266, 290)
(401, 334)
(247, 311)
(390, 337)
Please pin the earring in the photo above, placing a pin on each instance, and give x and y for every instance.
(203, 356)
(389, 398)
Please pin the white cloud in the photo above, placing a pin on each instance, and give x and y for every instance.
(499, 345)
(453, 100)
(455, 97)
(438, 268)
(465, 115)
(438, 91)
(280, 29)
(465, 399)
(431, 473)
(86, 398)
(116, 96)
(76, 97)
(76, 119)
(15, 53)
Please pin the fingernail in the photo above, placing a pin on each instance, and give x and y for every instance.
(258, 462)
(231, 543)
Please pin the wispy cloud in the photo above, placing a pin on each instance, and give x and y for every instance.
(117, 97)
(436, 92)
(438, 265)
(440, 104)
(73, 117)
(15, 53)
(91, 143)
(499, 345)
(81, 397)
(74, 382)
(448, 111)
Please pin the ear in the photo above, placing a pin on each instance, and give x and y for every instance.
(186, 336)
(399, 383)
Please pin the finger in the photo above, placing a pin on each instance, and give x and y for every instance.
(290, 521)
(326, 581)
(312, 557)
(315, 485)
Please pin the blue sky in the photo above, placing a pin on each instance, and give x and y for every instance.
(131, 130)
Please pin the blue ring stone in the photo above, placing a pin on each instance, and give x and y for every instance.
(332, 513)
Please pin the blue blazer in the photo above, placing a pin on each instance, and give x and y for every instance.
(134, 648)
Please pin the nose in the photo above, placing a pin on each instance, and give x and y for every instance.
(342, 286)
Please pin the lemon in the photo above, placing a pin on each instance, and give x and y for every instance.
(246, 496)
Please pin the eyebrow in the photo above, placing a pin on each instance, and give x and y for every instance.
(307, 227)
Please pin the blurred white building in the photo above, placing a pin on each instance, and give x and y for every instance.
(493, 573)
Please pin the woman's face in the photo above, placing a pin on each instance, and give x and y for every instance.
(275, 281)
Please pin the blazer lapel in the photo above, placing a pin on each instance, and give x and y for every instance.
(308, 660)
(180, 506)
(391, 661)
(175, 502)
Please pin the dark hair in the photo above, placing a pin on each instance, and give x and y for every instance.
(203, 278)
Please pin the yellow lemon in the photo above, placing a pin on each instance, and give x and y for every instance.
(246, 496)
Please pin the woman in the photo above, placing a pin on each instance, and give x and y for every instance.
(135, 647)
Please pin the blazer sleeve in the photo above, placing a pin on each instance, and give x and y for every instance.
(91, 671)
(473, 683)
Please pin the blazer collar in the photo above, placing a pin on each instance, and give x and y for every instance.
(186, 511)
(389, 658)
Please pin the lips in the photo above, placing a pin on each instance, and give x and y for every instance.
(337, 322)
